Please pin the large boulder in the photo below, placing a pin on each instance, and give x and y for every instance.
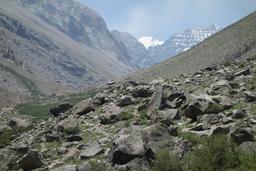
(99, 99)
(124, 101)
(140, 144)
(203, 104)
(91, 151)
(83, 107)
(128, 147)
(240, 135)
(142, 91)
(167, 116)
(62, 108)
(31, 160)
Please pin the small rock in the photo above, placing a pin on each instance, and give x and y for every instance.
(250, 96)
(238, 114)
(91, 150)
(72, 138)
(244, 72)
(66, 168)
(240, 135)
(51, 138)
(86, 166)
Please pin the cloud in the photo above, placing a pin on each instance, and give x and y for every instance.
(149, 41)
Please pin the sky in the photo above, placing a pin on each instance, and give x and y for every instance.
(162, 18)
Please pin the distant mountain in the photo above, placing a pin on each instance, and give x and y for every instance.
(236, 41)
(136, 50)
(181, 42)
(178, 43)
(55, 47)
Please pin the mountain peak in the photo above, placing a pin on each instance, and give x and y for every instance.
(149, 41)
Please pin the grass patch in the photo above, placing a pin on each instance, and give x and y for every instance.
(214, 108)
(40, 110)
(165, 161)
(7, 136)
(97, 166)
(191, 137)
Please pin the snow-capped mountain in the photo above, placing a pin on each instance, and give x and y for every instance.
(147, 51)
(181, 42)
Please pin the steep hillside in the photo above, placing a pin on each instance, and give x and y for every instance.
(136, 50)
(237, 40)
(60, 46)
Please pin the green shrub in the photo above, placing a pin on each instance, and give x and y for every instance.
(72, 130)
(214, 108)
(165, 161)
(7, 135)
(97, 166)
(217, 153)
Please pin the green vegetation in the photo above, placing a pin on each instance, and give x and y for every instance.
(30, 85)
(217, 153)
(214, 108)
(126, 114)
(165, 161)
(40, 110)
(36, 110)
(97, 166)
(191, 137)
(72, 130)
(7, 135)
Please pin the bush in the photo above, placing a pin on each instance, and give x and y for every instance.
(165, 161)
(217, 153)
(72, 130)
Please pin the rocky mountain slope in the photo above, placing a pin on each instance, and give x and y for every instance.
(137, 51)
(59, 46)
(181, 42)
(237, 40)
(126, 125)
(178, 43)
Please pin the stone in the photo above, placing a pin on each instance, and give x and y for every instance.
(128, 147)
(83, 107)
(72, 138)
(124, 101)
(142, 91)
(66, 168)
(99, 99)
(240, 135)
(168, 116)
(243, 72)
(250, 96)
(86, 166)
(238, 114)
(91, 151)
(111, 82)
(31, 160)
(51, 138)
(62, 108)
(198, 127)
(21, 147)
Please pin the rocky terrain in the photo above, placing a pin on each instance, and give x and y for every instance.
(125, 124)
(176, 44)
(59, 46)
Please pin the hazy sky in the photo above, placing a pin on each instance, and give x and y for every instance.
(162, 18)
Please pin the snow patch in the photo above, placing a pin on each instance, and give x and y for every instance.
(149, 41)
